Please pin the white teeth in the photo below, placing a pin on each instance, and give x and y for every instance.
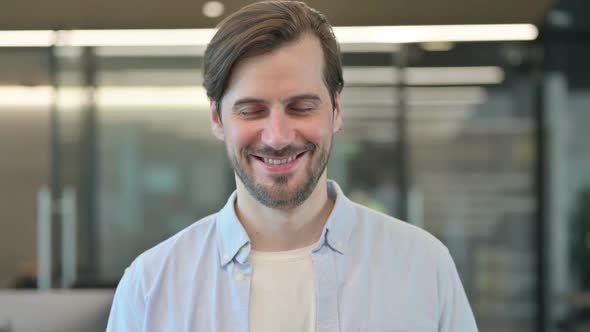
(278, 161)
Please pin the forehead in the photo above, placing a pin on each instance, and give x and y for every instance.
(295, 68)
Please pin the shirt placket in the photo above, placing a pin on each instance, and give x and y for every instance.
(326, 286)
(241, 279)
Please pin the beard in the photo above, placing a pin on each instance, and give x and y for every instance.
(278, 195)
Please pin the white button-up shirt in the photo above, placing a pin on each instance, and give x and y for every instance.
(372, 273)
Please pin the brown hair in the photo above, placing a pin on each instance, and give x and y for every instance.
(260, 28)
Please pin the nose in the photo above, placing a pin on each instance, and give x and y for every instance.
(278, 132)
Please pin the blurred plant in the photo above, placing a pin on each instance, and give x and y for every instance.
(581, 239)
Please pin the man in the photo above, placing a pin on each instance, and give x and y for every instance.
(288, 252)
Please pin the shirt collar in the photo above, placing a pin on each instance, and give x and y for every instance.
(340, 223)
(231, 235)
(233, 241)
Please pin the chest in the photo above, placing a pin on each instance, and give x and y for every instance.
(346, 298)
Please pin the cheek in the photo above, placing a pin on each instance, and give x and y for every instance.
(318, 133)
(240, 136)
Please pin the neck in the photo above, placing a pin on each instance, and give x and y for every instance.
(279, 230)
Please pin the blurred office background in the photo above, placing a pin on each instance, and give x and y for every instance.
(106, 150)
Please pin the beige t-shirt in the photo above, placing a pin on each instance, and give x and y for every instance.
(282, 291)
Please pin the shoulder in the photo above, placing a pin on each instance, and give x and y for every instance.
(396, 235)
(184, 246)
(188, 238)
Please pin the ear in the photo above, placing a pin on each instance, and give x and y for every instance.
(337, 114)
(216, 125)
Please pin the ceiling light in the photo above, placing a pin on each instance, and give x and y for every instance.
(369, 47)
(379, 75)
(14, 96)
(415, 96)
(192, 96)
(213, 9)
(345, 35)
(435, 33)
(106, 96)
(440, 96)
(437, 46)
(151, 51)
(454, 75)
(172, 37)
(143, 99)
(26, 38)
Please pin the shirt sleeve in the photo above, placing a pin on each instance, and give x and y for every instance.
(455, 311)
(128, 307)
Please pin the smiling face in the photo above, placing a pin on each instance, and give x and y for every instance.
(277, 122)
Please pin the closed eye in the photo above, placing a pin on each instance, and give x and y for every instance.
(249, 107)
(302, 109)
(250, 112)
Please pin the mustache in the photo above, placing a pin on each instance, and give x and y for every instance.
(288, 150)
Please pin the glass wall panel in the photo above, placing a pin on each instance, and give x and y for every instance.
(472, 160)
(138, 155)
(568, 91)
(24, 160)
(73, 100)
(158, 167)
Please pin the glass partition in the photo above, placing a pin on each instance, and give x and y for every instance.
(24, 160)
(473, 155)
(452, 123)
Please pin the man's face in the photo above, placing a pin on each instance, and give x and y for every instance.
(277, 121)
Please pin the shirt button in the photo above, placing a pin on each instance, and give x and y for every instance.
(339, 244)
(239, 277)
(225, 257)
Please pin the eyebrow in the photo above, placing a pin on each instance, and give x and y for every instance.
(305, 96)
(248, 100)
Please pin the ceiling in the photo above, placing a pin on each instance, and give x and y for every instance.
(158, 14)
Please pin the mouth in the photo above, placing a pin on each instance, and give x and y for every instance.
(278, 160)
(279, 164)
